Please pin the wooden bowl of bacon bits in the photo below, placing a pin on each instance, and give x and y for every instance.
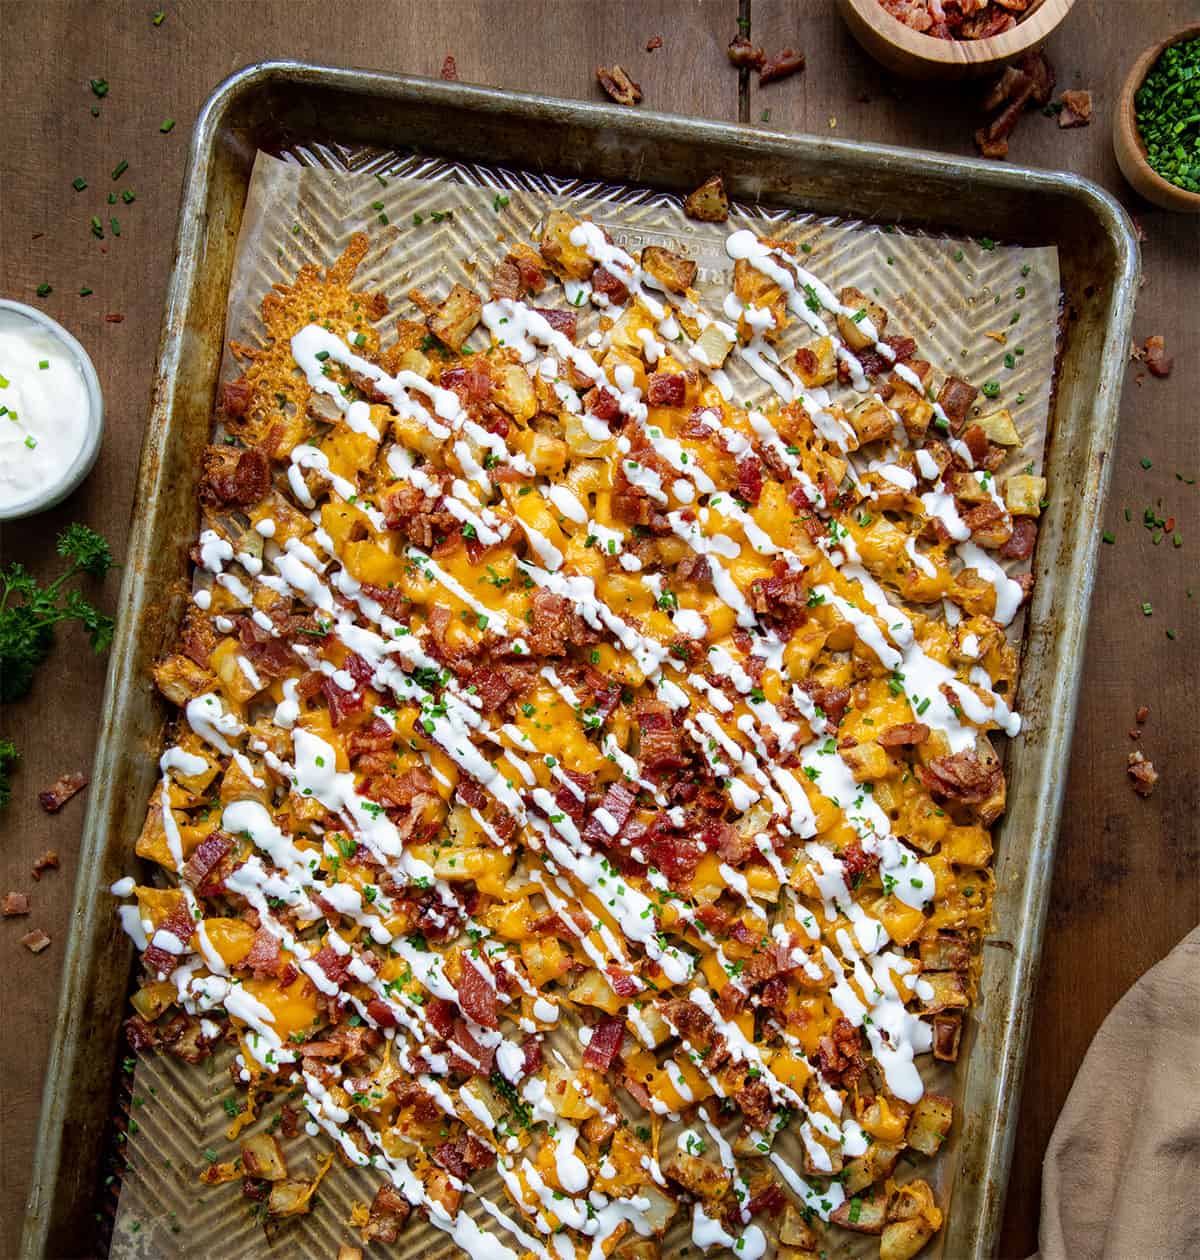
(1156, 124)
(950, 39)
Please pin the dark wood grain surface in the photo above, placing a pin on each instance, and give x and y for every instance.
(1128, 871)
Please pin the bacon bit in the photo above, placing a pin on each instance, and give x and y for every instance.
(1154, 357)
(744, 54)
(666, 389)
(476, 996)
(61, 791)
(388, 1213)
(113, 319)
(605, 1044)
(961, 776)
(605, 283)
(661, 745)
(332, 964)
(463, 1156)
(14, 904)
(47, 862)
(35, 941)
(1076, 109)
(780, 65)
(450, 69)
(1141, 715)
(653, 43)
(1024, 536)
(839, 1054)
(621, 982)
(905, 734)
(1142, 773)
(618, 85)
(205, 856)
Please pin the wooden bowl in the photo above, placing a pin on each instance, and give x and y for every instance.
(917, 56)
(1127, 140)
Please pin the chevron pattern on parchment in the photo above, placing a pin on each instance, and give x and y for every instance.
(433, 222)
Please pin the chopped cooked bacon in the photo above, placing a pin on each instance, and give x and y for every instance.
(476, 995)
(961, 776)
(47, 862)
(677, 856)
(617, 805)
(376, 737)
(574, 803)
(397, 791)
(14, 904)
(342, 704)
(605, 693)
(264, 958)
(666, 389)
(391, 599)
(661, 745)
(750, 479)
(1020, 545)
(234, 478)
(839, 1054)
(731, 1000)
(35, 941)
(1037, 66)
(653, 43)
(1142, 773)
(754, 1098)
(622, 983)
(832, 701)
(610, 286)
(605, 1044)
(333, 964)
(903, 734)
(782, 599)
(554, 625)
(388, 1213)
(449, 70)
(602, 403)
(1154, 356)
(236, 397)
(466, 1054)
(858, 862)
(744, 54)
(565, 322)
(506, 281)
(205, 856)
(780, 65)
(531, 1048)
(139, 1034)
(1076, 109)
(417, 516)
(61, 791)
(618, 85)
(465, 1155)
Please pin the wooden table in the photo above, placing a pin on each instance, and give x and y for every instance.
(1126, 878)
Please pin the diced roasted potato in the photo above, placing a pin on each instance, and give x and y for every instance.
(455, 317)
(947, 1033)
(638, 1249)
(947, 951)
(699, 1176)
(152, 999)
(708, 203)
(873, 1165)
(999, 428)
(863, 1213)
(514, 392)
(949, 991)
(593, 989)
(346, 1252)
(262, 1157)
(913, 1218)
(712, 347)
(290, 1198)
(180, 679)
(866, 761)
(930, 1123)
(1023, 494)
(871, 421)
(816, 363)
(566, 260)
(674, 272)
(862, 310)
(795, 1231)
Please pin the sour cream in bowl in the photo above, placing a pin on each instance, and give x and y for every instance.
(51, 411)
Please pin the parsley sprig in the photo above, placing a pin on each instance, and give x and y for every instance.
(29, 612)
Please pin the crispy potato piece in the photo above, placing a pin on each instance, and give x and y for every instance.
(455, 317)
(708, 203)
(930, 1123)
(872, 1166)
(1023, 494)
(816, 363)
(566, 260)
(949, 991)
(999, 428)
(180, 679)
(262, 1157)
(701, 1177)
(866, 761)
(675, 273)
(863, 1213)
(515, 393)
(851, 326)
(871, 420)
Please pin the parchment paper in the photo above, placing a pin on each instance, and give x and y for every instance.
(432, 223)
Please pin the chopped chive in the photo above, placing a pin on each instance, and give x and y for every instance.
(30, 441)
(43, 290)
(499, 201)
(381, 179)
(85, 292)
(167, 125)
(1147, 463)
(116, 227)
(991, 389)
(986, 242)
(120, 169)
(79, 183)
(128, 197)
(43, 364)
(99, 86)
(97, 227)
(112, 199)
(158, 17)
(1108, 536)
(1147, 609)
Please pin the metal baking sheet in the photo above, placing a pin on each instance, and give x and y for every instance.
(342, 117)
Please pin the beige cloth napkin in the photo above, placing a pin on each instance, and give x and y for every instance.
(1121, 1179)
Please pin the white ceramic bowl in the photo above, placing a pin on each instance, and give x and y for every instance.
(54, 492)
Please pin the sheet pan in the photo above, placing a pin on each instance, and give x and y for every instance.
(336, 116)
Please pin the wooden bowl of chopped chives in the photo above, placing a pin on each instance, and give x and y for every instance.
(1156, 125)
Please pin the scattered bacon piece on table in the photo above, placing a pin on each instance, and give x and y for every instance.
(61, 791)
(14, 904)
(780, 65)
(35, 941)
(1142, 773)
(48, 861)
(449, 69)
(617, 83)
(1076, 109)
